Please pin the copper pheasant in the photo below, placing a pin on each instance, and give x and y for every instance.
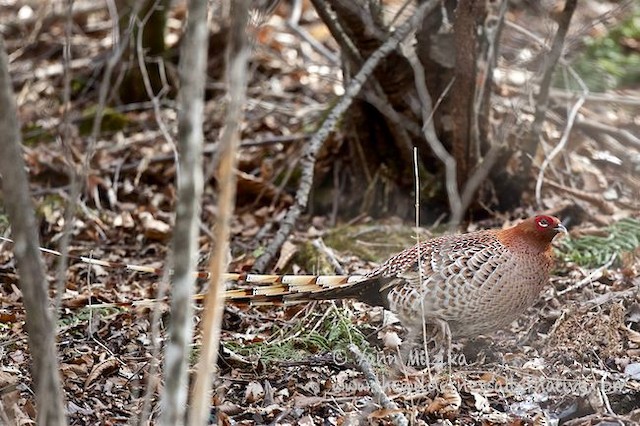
(476, 282)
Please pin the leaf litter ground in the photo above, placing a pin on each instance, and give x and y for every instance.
(575, 355)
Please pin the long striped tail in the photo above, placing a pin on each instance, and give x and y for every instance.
(268, 290)
(255, 289)
(280, 290)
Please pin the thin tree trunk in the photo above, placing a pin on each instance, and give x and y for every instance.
(467, 14)
(40, 325)
(193, 64)
(237, 59)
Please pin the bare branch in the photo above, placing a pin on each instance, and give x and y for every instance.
(622, 135)
(73, 173)
(455, 204)
(542, 99)
(377, 96)
(311, 151)
(294, 24)
(377, 391)
(563, 142)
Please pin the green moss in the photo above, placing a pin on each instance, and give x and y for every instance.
(48, 207)
(33, 134)
(372, 243)
(308, 257)
(112, 120)
(78, 85)
(4, 219)
(81, 316)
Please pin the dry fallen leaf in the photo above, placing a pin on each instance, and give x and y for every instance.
(253, 392)
(154, 229)
(101, 370)
(124, 220)
(383, 412)
(286, 253)
(7, 317)
(447, 403)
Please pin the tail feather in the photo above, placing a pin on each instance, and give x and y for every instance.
(260, 290)
(290, 289)
(282, 290)
(275, 286)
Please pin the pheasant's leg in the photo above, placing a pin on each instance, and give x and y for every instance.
(412, 357)
(446, 333)
(416, 355)
(425, 348)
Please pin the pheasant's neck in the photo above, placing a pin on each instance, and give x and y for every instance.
(521, 241)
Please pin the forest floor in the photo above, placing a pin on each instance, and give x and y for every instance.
(573, 358)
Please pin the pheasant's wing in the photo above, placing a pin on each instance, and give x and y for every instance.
(440, 276)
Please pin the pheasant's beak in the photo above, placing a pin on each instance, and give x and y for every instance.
(561, 228)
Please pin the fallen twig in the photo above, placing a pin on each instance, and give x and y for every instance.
(591, 197)
(558, 148)
(376, 389)
(594, 275)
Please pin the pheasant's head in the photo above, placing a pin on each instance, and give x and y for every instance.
(536, 233)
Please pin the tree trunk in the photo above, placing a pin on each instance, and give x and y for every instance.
(147, 37)
(33, 284)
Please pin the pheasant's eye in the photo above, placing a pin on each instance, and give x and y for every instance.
(543, 223)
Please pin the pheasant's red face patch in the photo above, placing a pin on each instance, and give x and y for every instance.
(544, 223)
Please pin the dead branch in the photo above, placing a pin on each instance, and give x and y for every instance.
(319, 244)
(563, 142)
(593, 276)
(595, 199)
(105, 84)
(482, 98)
(294, 24)
(455, 203)
(58, 12)
(398, 124)
(311, 151)
(622, 135)
(72, 172)
(613, 98)
(542, 99)
(376, 389)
